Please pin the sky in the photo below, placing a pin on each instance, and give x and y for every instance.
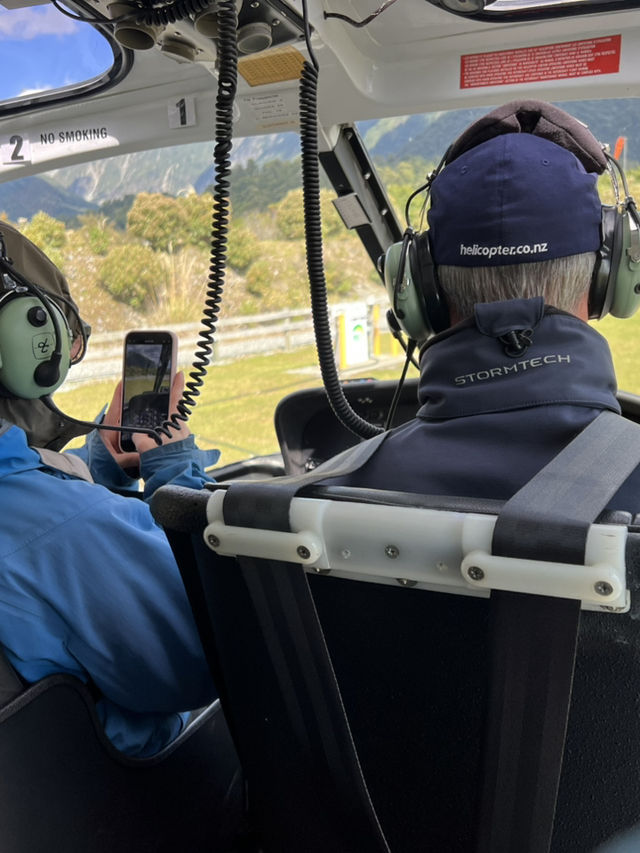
(40, 48)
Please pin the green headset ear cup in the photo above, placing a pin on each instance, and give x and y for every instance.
(435, 310)
(24, 346)
(626, 293)
(607, 263)
(406, 300)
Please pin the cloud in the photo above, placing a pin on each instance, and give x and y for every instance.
(36, 88)
(34, 91)
(26, 24)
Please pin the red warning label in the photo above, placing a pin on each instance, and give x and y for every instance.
(584, 58)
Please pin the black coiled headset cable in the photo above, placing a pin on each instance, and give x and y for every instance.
(227, 85)
(313, 238)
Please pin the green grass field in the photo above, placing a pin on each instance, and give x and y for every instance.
(624, 340)
(235, 409)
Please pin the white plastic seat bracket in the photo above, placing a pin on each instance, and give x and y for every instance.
(430, 549)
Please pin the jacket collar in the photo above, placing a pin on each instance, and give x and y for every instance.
(515, 355)
(15, 453)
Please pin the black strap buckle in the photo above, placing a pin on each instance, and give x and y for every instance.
(516, 343)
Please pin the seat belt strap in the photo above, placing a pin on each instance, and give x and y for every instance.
(569, 493)
(296, 647)
(272, 500)
(316, 716)
(534, 638)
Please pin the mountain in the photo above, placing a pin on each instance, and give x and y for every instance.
(260, 149)
(166, 170)
(64, 193)
(429, 135)
(23, 198)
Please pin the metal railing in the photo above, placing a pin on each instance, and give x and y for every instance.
(236, 337)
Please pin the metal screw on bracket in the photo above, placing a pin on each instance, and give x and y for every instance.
(275, 22)
(406, 582)
(603, 587)
(303, 552)
(475, 573)
(213, 540)
(392, 552)
(322, 571)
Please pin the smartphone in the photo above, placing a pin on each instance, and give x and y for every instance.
(147, 376)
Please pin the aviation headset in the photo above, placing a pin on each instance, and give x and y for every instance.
(35, 337)
(411, 276)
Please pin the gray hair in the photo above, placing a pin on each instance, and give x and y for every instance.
(561, 281)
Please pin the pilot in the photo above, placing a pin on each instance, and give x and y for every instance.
(88, 582)
(518, 256)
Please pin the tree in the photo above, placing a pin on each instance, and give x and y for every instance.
(243, 248)
(156, 219)
(289, 214)
(48, 234)
(132, 274)
(168, 224)
(278, 279)
(401, 179)
(198, 218)
(117, 209)
(253, 186)
(98, 232)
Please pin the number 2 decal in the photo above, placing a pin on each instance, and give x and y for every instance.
(17, 151)
(16, 141)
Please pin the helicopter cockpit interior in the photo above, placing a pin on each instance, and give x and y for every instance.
(390, 683)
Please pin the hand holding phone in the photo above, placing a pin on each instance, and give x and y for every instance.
(147, 380)
(130, 461)
(146, 442)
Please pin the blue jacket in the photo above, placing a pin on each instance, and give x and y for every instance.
(89, 586)
(488, 421)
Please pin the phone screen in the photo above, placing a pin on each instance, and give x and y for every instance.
(146, 383)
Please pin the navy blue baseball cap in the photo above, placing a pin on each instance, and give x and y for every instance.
(517, 198)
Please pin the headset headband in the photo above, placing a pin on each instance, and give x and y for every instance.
(540, 119)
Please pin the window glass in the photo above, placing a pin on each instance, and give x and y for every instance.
(42, 50)
(530, 9)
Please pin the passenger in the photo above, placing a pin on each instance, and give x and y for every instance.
(88, 582)
(515, 371)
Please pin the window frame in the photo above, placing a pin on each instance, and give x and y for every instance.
(119, 69)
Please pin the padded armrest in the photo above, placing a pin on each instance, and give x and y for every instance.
(180, 509)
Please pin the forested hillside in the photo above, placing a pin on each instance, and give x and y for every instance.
(154, 269)
(189, 168)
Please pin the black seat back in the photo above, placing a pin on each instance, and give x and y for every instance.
(64, 787)
(412, 666)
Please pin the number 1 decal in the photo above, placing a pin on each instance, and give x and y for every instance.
(182, 113)
(182, 110)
